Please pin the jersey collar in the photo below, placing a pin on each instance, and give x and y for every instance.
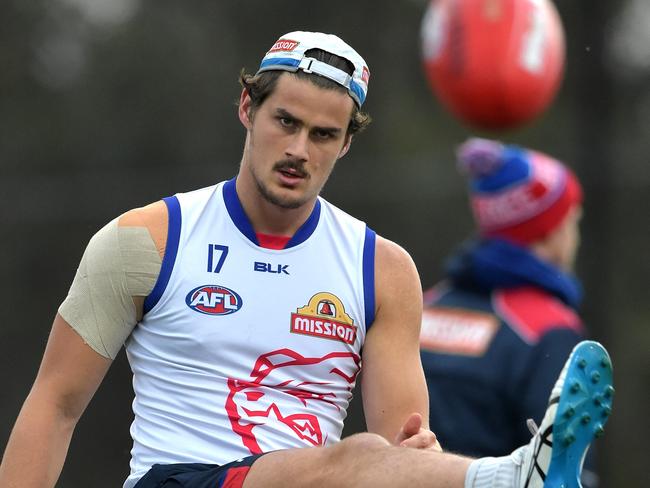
(240, 219)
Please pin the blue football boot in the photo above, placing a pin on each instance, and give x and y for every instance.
(578, 408)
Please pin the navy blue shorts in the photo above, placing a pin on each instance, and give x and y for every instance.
(197, 475)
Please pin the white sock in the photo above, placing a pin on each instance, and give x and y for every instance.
(495, 472)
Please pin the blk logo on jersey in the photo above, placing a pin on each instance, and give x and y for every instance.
(324, 316)
(213, 300)
(270, 268)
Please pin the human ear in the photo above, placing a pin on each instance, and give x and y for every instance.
(346, 146)
(245, 109)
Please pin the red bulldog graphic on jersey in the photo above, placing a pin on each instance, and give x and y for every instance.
(286, 392)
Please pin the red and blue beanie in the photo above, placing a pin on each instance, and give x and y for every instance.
(516, 193)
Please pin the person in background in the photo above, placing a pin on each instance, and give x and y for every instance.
(499, 327)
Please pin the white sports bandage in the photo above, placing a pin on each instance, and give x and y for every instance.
(118, 264)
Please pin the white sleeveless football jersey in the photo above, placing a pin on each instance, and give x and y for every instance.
(244, 349)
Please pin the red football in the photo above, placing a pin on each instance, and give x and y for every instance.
(495, 64)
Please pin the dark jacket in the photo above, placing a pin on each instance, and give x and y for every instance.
(495, 335)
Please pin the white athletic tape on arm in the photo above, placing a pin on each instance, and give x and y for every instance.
(119, 263)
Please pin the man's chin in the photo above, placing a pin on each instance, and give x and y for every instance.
(287, 199)
(283, 196)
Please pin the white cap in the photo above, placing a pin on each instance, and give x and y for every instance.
(288, 54)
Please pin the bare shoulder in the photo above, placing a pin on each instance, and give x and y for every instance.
(154, 217)
(391, 253)
(393, 262)
(397, 282)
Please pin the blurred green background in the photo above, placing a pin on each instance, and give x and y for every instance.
(109, 105)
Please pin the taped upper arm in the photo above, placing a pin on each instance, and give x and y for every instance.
(154, 218)
(119, 268)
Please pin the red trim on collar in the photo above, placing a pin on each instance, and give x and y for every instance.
(269, 241)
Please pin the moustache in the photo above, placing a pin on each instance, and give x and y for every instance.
(296, 167)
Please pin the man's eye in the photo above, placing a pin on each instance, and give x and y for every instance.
(322, 134)
(285, 121)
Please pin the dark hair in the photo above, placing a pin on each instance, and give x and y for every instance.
(260, 86)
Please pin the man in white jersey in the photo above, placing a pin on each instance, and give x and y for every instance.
(248, 309)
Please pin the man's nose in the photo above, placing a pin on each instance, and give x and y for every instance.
(298, 147)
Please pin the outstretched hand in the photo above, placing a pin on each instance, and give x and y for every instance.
(413, 435)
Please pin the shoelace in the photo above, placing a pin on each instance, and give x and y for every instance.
(589, 478)
(532, 426)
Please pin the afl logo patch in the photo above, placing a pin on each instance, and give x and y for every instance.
(213, 300)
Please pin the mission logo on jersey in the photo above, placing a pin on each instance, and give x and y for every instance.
(324, 316)
(213, 300)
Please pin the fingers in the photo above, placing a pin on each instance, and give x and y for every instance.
(412, 425)
(410, 428)
(424, 439)
(413, 435)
